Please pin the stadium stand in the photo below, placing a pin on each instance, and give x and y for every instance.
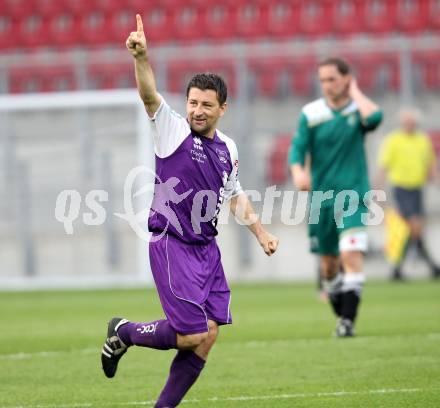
(42, 79)
(39, 25)
(196, 20)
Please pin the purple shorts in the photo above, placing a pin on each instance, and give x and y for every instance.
(191, 284)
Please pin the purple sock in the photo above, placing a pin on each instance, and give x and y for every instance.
(157, 334)
(184, 371)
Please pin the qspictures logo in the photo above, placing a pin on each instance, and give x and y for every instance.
(293, 207)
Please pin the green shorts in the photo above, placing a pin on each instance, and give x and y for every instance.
(325, 232)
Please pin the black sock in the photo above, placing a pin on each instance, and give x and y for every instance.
(397, 273)
(333, 288)
(350, 303)
(336, 303)
(423, 252)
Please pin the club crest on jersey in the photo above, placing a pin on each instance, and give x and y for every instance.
(351, 120)
(222, 155)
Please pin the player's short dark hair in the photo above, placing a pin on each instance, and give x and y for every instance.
(208, 80)
(341, 65)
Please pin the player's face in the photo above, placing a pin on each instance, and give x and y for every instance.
(334, 85)
(203, 111)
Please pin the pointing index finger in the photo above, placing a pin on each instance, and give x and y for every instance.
(140, 26)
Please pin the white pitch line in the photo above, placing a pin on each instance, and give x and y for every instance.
(251, 343)
(243, 398)
(27, 356)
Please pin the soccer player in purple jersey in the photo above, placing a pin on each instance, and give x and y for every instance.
(197, 170)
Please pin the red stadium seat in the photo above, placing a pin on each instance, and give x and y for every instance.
(302, 75)
(427, 67)
(15, 8)
(434, 15)
(435, 140)
(251, 18)
(280, 77)
(64, 30)
(93, 26)
(25, 80)
(42, 79)
(283, 19)
(380, 16)
(314, 17)
(266, 74)
(121, 23)
(60, 78)
(347, 16)
(7, 31)
(105, 76)
(157, 19)
(376, 72)
(79, 7)
(412, 16)
(278, 169)
(32, 30)
(188, 21)
(46, 8)
(109, 6)
(180, 72)
(218, 17)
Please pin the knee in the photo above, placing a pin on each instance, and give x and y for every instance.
(213, 331)
(415, 224)
(329, 267)
(191, 341)
(352, 261)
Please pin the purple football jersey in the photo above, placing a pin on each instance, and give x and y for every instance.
(195, 175)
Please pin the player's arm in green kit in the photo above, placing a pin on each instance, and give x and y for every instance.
(298, 156)
(370, 113)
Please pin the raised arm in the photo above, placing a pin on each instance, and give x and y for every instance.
(137, 45)
(242, 209)
(366, 106)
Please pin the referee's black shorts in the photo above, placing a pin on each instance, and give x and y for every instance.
(409, 202)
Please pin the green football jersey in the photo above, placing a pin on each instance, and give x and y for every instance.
(335, 141)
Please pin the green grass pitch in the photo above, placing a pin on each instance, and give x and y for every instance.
(279, 352)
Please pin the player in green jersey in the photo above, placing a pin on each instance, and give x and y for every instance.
(331, 132)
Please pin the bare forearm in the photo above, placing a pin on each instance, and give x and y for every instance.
(146, 84)
(137, 45)
(300, 176)
(242, 209)
(366, 106)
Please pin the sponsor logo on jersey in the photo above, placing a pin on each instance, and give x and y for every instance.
(197, 150)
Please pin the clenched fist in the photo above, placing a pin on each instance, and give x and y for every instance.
(136, 41)
(268, 242)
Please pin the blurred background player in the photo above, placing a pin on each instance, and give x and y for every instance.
(408, 159)
(331, 130)
(185, 260)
